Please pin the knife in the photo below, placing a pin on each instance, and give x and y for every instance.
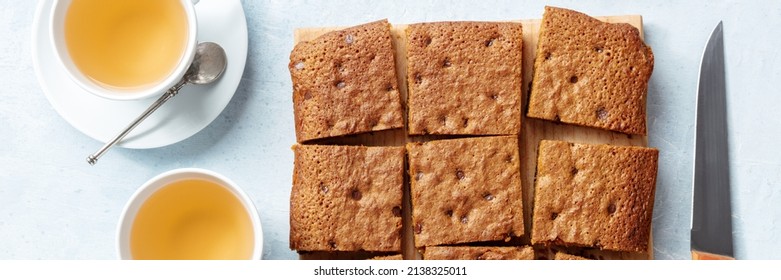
(711, 228)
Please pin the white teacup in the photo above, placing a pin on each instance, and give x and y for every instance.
(190, 213)
(124, 49)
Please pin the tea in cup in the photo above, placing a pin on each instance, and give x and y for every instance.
(190, 214)
(124, 49)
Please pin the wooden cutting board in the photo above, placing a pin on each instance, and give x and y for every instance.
(533, 130)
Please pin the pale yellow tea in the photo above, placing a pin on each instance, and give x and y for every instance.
(126, 43)
(192, 219)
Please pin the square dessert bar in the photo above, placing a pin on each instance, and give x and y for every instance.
(478, 253)
(598, 196)
(464, 78)
(465, 190)
(590, 73)
(344, 82)
(346, 198)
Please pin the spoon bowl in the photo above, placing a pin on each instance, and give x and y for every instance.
(208, 65)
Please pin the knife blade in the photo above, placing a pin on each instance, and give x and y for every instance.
(711, 228)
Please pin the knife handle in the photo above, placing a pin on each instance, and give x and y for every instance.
(697, 255)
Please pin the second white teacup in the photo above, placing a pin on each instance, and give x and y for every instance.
(190, 213)
(124, 49)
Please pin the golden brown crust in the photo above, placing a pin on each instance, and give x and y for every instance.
(591, 73)
(465, 190)
(478, 253)
(598, 196)
(464, 78)
(346, 198)
(344, 82)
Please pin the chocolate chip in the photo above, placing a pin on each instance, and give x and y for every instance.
(601, 113)
(323, 188)
(488, 196)
(574, 170)
(300, 65)
(449, 212)
(464, 219)
(389, 87)
(489, 42)
(460, 174)
(611, 208)
(307, 95)
(418, 228)
(466, 122)
(332, 244)
(446, 62)
(396, 211)
(418, 176)
(348, 39)
(356, 194)
(573, 79)
(427, 41)
(547, 56)
(340, 84)
(418, 78)
(598, 49)
(554, 215)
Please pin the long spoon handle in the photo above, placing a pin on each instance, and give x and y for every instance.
(92, 159)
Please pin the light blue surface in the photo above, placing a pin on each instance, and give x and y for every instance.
(55, 206)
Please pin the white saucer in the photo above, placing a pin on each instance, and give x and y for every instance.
(219, 21)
